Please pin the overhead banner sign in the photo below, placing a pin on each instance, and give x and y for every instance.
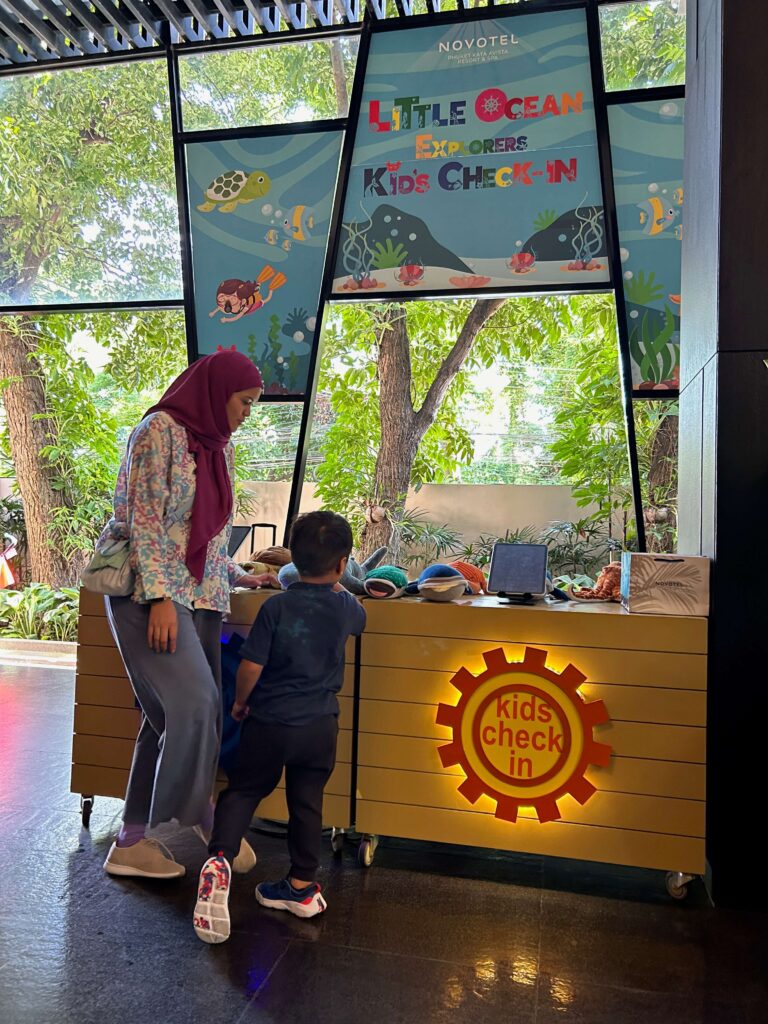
(260, 211)
(523, 735)
(475, 162)
(647, 151)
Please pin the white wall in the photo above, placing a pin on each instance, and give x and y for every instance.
(472, 509)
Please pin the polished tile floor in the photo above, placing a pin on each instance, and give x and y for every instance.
(427, 936)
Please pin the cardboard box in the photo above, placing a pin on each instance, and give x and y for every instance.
(664, 584)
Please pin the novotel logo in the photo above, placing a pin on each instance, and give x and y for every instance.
(481, 43)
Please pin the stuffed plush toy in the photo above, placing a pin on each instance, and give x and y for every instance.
(439, 583)
(275, 557)
(475, 577)
(352, 580)
(607, 588)
(385, 582)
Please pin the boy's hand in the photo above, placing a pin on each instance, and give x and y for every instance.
(240, 711)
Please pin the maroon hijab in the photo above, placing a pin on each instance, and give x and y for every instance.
(197, 400)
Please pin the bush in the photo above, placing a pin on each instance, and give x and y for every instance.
(39, 613)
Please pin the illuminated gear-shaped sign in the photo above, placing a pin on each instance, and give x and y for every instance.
(523, 734)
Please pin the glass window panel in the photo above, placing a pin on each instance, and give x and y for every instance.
(268, 84)
(643, 43)
(656, 426)
(88, 209)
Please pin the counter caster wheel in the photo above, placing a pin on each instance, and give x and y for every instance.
(337, 841)
(366, 851)
(86, 806)
(677, 884)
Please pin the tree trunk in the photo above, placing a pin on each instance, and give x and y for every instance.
(339, 79)
(402, 426)
(660, 513)
(29, 432)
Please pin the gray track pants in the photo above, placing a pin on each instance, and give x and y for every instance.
(177, 749)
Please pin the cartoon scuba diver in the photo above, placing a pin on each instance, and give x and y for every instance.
(236, 298)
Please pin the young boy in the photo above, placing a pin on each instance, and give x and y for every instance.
(292, 669)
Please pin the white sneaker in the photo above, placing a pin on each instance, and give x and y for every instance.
(245, 860)
(211, 919)
(148, 858)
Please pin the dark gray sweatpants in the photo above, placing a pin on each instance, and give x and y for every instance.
(177, 749)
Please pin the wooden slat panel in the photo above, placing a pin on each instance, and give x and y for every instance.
(100, 661)
(104, 691)
(556, 839)
(91, 604)
(610, 810)
(94, 631)
(627, 703)
(111, 691)
(628, 739)
(447, 655)
(114, 752)
(112, 782)
(411, 668)
(335, 809)
(578, 625)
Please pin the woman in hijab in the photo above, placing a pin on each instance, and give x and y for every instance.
(174, 503)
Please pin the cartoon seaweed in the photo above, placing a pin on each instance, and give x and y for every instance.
(545, 220)
(642, 289)
(293, 370)
(589, 240)
(356, 255)
(651, 349)
(388, 255)
(253, 348)
(274, 332)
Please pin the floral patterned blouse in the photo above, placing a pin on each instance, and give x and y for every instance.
(153, 508)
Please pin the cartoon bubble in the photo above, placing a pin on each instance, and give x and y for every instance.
(266, 209)
(412, 237)
(311, 321)
(668, 110)
(628, 275)
(653, 187)
(280, 359)
(394, 232)
(298, 335)
(519, 242)
(561, 238)
(387, 219)
(278, 213)
(634, 314)
(624, 253)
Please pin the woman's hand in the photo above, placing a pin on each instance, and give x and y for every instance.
(163, 626)
(266, 579)
(239, 711)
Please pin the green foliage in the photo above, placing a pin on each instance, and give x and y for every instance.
(12, 520)
(39, 613)
(268, 84)
(479, 551)
(642, 289)
(545, 219)
(424, 542)
(388, 255)
(643, 44)
(578, 549)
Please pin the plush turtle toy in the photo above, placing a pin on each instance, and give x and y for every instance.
(385, 582)
(354, 574)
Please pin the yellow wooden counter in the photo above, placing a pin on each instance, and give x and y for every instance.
(650, 671)
(107, 722)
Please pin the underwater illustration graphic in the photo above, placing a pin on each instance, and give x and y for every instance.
(257, 271)
(647, 150)
(475, 161)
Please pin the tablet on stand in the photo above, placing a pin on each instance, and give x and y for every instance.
(518, 572)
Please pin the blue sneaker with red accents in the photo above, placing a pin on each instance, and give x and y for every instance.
(211, 919)
(282, 896)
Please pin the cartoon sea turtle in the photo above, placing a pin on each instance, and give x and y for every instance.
(235, 187)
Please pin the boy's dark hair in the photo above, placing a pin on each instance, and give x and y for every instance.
(319, 540)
